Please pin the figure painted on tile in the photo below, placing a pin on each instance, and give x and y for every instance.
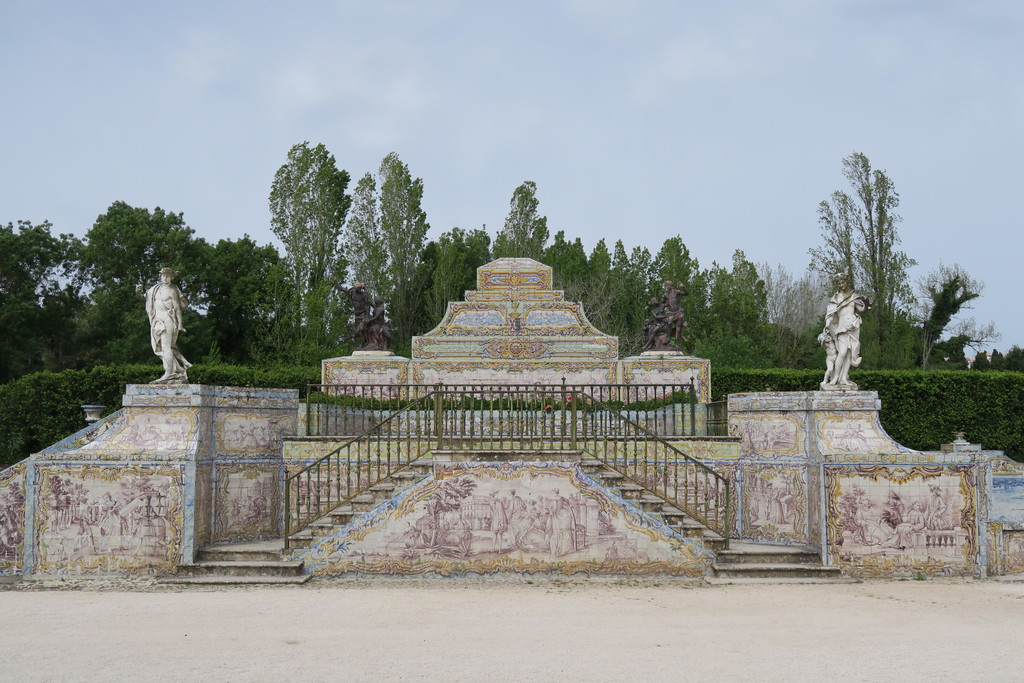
(561, 526)
(165, 305)
(499, 520)
(518, 518)
(842, 330)
(937, 519)
(12, 506)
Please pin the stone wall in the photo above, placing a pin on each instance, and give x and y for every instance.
(141, 490)
(818, 469)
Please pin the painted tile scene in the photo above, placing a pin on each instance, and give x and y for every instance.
(512, 517)
(105, 520)
(915, 515)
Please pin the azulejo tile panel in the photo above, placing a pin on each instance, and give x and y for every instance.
(775, 503)
(12, 519)
(473, 518)
(886, 521)
(147, 433)
(843, 433)
(248, 501)
(252, 433)
(770, 435)
(1007, 498)
(100, 519)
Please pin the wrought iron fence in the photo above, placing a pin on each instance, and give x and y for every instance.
(669, 410)
(352, 468)
(623, 426)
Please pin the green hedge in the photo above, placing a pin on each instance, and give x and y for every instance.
(40, 409)
(920, 410)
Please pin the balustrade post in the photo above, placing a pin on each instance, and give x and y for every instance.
(439, 413)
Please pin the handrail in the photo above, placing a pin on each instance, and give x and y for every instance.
(483, 417)
(348, 409)
(387, 449)
(644, 458)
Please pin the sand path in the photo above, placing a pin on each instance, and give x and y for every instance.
(573, 629)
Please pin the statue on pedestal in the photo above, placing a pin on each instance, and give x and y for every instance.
(378, 329)
(667, 320)
(164, 306)
(841, 335)
(369, 328)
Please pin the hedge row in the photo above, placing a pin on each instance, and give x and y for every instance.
(40, 409)
(920, 410)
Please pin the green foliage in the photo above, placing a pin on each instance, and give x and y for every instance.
(126, 248)
(449, 266)
(920, 410)
(42, 408)
(860, 239)
(39, 293)
(308, 205)
(526, 232)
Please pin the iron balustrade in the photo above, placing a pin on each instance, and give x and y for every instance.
(669, 410)
(361, 462)
(624, 426)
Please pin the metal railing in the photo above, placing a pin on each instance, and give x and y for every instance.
(388, 446)
(622, 434)
(669, 410)
(652, 462)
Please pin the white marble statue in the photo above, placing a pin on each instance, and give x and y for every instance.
(164, 305)
(841, 335)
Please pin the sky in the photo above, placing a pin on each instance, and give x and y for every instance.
(723, 122)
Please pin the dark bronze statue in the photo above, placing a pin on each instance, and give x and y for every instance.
(370, 329)
(667, 320)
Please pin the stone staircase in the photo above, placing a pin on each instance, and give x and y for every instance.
(266, 562)
(258, 562)
(746, 562)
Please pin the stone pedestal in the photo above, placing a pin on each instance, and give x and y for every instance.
(140, 491)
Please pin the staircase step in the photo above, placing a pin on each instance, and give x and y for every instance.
(228, 554)
(734, 581)
(235, 580)
(780, 555)
(774, 570)
(262, 568)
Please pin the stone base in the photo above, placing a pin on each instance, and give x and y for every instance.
(179, 466)
(376, 368)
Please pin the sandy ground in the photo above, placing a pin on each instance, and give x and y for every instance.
(571, 629)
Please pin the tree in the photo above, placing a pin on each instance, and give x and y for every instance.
(239, 278)
(944, 293)
(795, 309)
(526, 232)
(363, 239)
(127, 246)
(860, 239)
(631, 287)
(451, 264)
(595, 292)
(39, 299)
(308, 206)
(734, 330)
(386, 239)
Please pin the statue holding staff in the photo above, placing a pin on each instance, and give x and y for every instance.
(841, 335)
(164, 305)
